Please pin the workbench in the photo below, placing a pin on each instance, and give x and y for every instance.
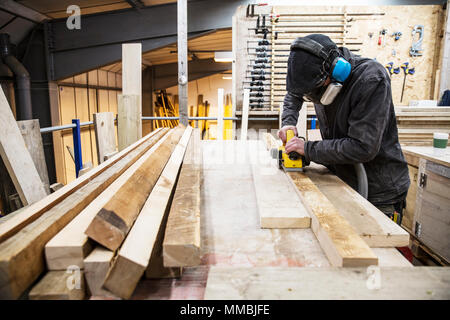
(230, 227)
(427, 214)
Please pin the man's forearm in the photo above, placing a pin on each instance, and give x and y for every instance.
(291, 107)
(340, 151)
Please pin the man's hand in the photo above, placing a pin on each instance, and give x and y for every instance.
(282, 132)
(297, 145)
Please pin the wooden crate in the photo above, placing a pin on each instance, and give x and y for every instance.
(432, 210)
(408, 216)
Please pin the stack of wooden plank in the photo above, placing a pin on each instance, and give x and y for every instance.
(416, 125)
(341, 228)
(102, 231)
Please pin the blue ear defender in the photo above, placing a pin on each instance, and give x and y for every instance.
(341, 69)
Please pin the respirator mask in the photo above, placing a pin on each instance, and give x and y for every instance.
(339, 71)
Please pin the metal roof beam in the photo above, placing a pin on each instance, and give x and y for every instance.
(166, 75)
(21, 11)
(98, 42)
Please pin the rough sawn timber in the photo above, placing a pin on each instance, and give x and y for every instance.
(113, 222)
(134, 255)
(181, 245)
(22, 255)
(71, 245)
(340, 242)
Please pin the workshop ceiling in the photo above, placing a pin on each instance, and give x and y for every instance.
(219, 40)
(57, 9)
(18, 26)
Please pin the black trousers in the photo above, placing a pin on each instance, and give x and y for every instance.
(389, 209)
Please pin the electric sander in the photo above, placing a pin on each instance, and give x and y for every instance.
(289, 162)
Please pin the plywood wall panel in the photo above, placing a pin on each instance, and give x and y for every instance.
(82, 110)
(420, 86)
(81, 103)
(93, 77)
(92, 110)
(102, 78)
(102, 101)
(68, 112)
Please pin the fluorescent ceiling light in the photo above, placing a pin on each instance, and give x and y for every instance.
(227, 78)
(223, 56)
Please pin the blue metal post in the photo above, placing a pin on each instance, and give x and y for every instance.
(77, 145)
(313, 123)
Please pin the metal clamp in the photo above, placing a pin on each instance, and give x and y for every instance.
(416, 47)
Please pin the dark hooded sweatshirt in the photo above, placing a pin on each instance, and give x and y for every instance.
(359, 126)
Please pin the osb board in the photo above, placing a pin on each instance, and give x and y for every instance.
(419, 86)
(82, 103)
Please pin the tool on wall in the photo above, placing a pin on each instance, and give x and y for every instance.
(390, 67)
(261, 26)
(250, 13)
(416, 47)
(406, 70)
(397, 35)
(382, 37)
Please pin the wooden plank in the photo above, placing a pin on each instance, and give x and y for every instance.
(109, 155)
(370, 223)
(244, 121)
(86, 168)
(58, 148)
(16, 157)
(431, 216)
(104, 134)
(181, 245)
(226, 283)
(391, 257)
(35, 210)
(380, 232)
(135, 253)
(132, 85)
(31, 134)
(338, 239)
(112, 223)
(67, 113)
(54, 286)
(56, 186)
(279, 206)
(96, 266)
(408, 216)
(82, 113)
(22, 255)
(70, 246)
(302, 122)
(129, 128)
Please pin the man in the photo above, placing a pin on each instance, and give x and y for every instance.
(353, 101)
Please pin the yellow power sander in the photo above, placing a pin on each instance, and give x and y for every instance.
(289, 162)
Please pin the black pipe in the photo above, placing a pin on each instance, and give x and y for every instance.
(5, 72)
(22, 76)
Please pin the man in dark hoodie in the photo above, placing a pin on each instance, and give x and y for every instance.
(353, 102)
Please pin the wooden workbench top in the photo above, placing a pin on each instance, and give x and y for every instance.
(230, 228)
(413, 153)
